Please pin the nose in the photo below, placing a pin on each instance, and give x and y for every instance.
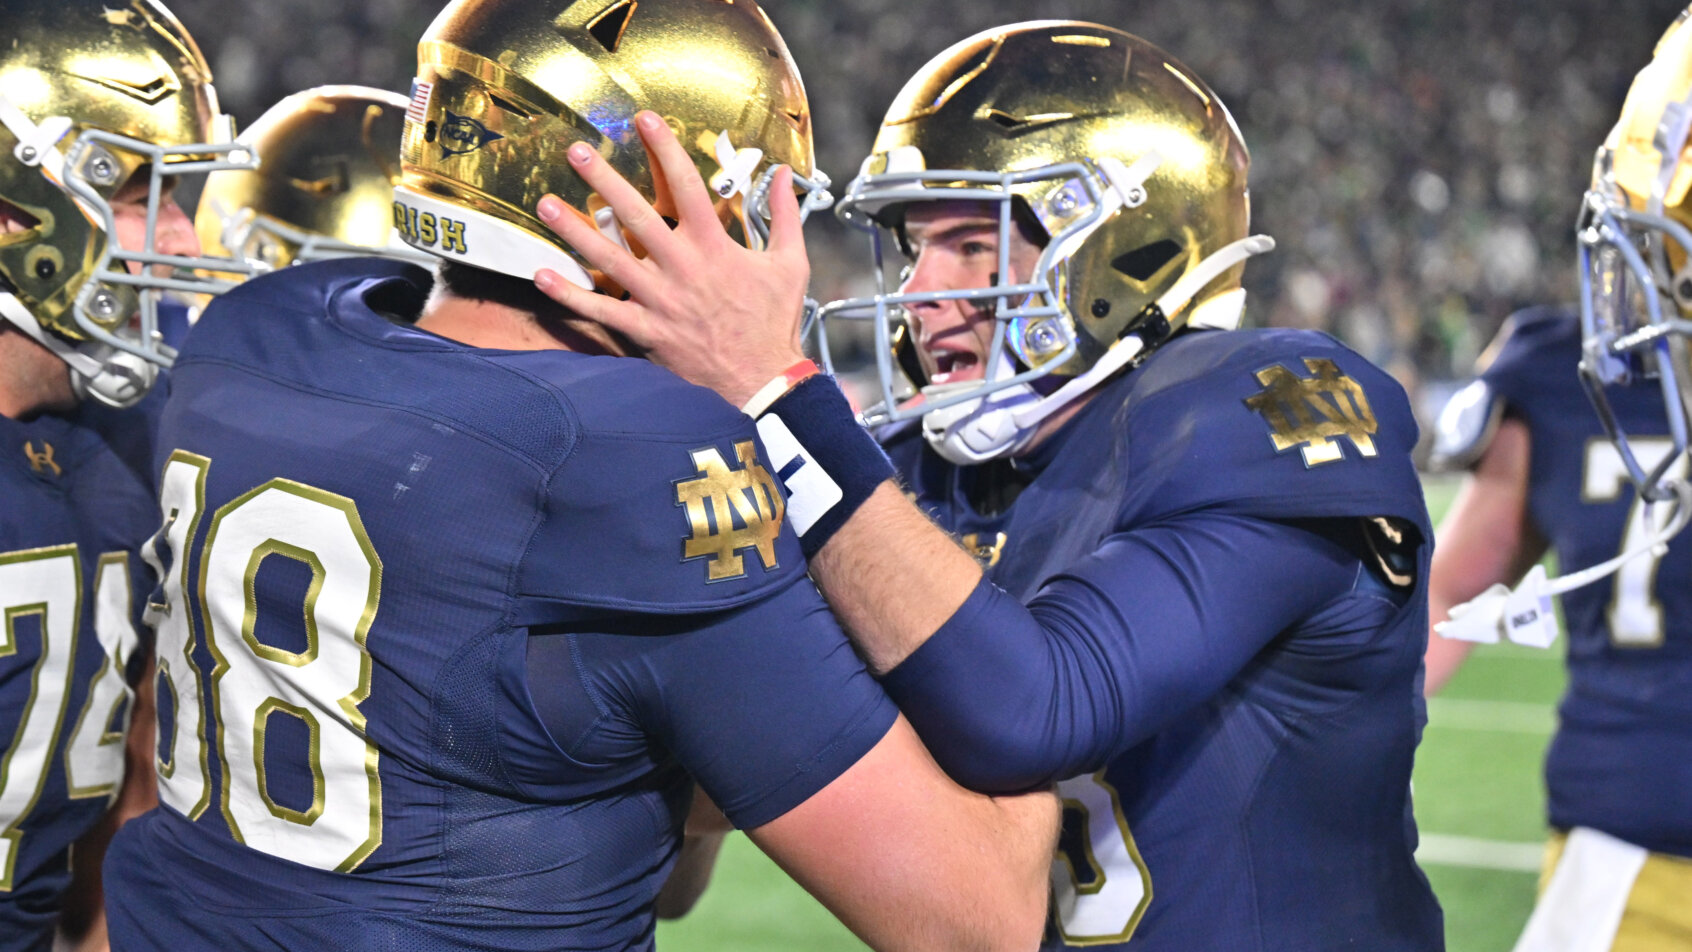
(927, 275)
(924, 275)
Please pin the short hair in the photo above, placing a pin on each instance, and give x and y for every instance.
(479, 284)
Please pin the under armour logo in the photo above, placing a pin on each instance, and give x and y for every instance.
(730, 510)
(1311, 412)
(43, 460)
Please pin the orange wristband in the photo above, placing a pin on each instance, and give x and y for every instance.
(770, 392)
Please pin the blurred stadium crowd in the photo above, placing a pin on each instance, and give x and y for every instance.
(1420, 162)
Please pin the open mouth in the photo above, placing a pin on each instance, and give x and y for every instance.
(14, 220)
(951, 366)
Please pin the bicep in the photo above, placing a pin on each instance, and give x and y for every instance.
(1151, 624)
(764, 705)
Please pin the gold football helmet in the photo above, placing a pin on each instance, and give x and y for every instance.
(1635, 241)
(1126, 161)
(505, 86)
(329, 161)
(93, 92)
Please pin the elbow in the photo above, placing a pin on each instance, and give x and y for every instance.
(995, 757)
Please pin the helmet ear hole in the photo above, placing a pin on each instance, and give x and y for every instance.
(1147, 260)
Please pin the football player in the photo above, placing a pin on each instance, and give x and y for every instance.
(330, 161)
(458, 606)
(1201, 602)
(1543, 476)
(100, 105)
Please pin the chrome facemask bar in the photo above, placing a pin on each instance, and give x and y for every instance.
(90, 166)
(1611, 354)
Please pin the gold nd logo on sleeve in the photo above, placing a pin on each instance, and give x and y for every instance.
(730, 510)
(1310, 412)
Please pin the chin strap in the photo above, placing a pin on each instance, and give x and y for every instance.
(1524, 614)
(114, 378)
(1123, 352)
(1002, 422)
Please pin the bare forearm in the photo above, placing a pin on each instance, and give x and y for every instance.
(1485, 538)
(892, 577)
(910, 861)
(690, 875)
(983, 887)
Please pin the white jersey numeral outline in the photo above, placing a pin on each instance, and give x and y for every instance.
(45, 583)
(252, 683)
(183, 783)
(1634, 615)
(1108, 908)
(94, 756)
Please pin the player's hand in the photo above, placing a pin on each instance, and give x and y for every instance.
(699, 303)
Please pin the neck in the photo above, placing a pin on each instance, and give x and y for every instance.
(1056, 422)
(495, 326)
(32, 380)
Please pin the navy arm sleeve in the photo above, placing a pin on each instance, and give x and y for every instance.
(1150, 625)
(764, 705)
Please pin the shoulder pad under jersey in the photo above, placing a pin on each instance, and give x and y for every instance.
(1465, 426)
(1536, 351)
(1272, 423)
(667, 504)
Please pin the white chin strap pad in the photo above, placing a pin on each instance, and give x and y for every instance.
(979, 430)
(121, 380)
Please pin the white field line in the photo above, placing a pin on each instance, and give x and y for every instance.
(1510, 717)
(1471, 852)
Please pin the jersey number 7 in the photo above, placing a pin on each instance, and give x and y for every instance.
(1635, 616)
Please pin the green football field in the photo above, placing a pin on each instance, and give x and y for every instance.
(1479, 803)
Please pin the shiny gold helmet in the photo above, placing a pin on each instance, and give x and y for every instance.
(1635, 247)
(505, 86)
(329, 161)
(93, 92)
(1128, 164)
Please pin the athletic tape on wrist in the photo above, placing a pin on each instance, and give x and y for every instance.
(826, 459)
(770, 392)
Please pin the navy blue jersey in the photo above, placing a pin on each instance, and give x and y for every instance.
(446, 631)
(1621, 761)
(1221, 648)
(77, 506)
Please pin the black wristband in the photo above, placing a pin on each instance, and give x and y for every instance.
(826, 459)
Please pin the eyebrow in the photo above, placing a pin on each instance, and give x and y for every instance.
(959, 229)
